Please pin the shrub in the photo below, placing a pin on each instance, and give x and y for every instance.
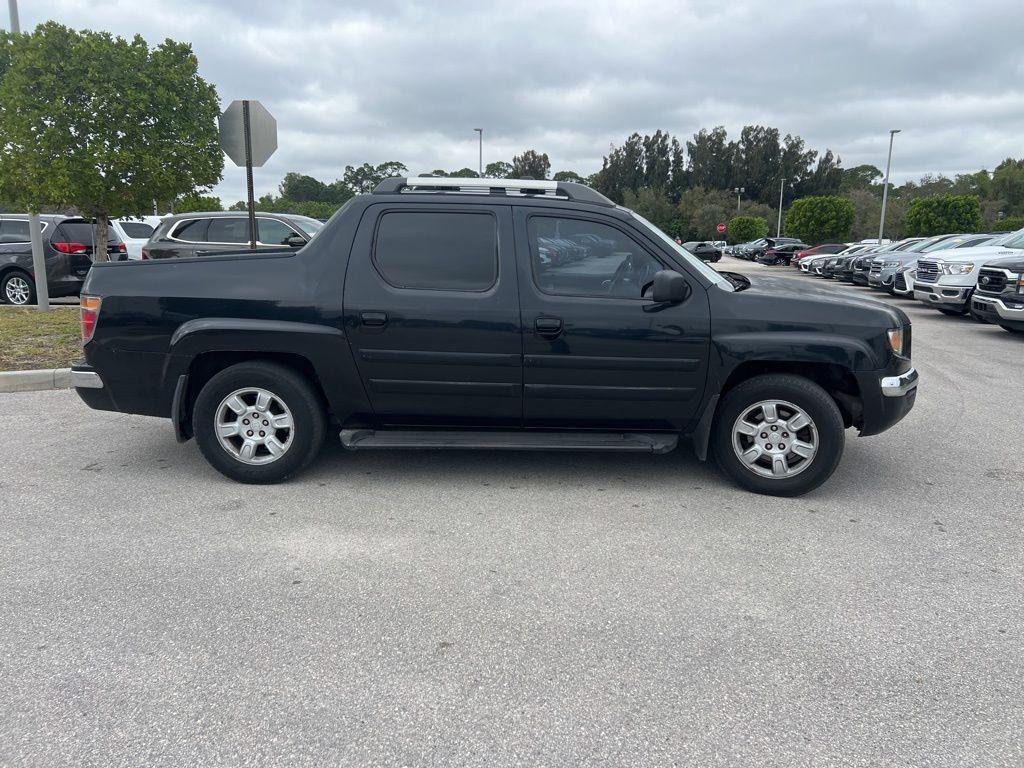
(743, 229)
(941, 214)
(1009, 224)
(820, 219)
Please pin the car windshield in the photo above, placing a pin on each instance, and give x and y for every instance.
(684, 254)
(1010, 239)
(306, 224)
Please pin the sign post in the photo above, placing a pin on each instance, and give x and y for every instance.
(721, 229)
(248, 135)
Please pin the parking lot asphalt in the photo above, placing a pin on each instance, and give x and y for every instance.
(521, 609)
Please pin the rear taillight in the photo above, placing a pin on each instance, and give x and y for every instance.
(122, 248)
(145, 253)
(90, 314)
(70, 247)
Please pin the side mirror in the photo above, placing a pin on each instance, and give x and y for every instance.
(669, 287)
(295, 241)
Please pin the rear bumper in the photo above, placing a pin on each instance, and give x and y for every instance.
(90, 387)
(997, 311)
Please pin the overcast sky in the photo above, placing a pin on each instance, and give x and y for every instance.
(388, 80)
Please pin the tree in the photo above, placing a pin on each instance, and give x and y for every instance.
(945, 213)
(532, 164)
(193, 201)
(104, 124)
(569, 176)
(363, 179)
(1010, 223)
(299, 187)
(656, 208)
(859, 177)
(1008, 183)
(465, 173)
(498, 170)
(820, 219)
(743, 229)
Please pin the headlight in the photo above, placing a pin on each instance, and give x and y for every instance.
(957, 269)
(891, 264)
(895, 340)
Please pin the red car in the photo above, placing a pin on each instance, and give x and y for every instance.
(818, 250)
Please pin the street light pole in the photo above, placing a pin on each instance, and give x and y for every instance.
(480, 131)
(885, 186)
(778, 226)
(35, 227)
(739, 191)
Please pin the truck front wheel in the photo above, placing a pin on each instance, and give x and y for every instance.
(778, 434)
(259, 422)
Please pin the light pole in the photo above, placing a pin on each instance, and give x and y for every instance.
(778, 227)
(885, 186)
(480, 131)
(739, 191)
(35, 228)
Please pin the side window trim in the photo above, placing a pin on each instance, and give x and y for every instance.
(178, 225)
(574, 216)
(478, 211)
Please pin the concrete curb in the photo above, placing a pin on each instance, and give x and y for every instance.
(34, 381)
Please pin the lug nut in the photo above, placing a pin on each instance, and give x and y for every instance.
(266, 423)
(263, 434)
(245, 421)
(764, 435)
(769, 446)
(249, 433)
(785, 434)
(775, 429)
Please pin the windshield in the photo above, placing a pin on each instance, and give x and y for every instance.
(1010, 239)
(683, 254)
(306, 224)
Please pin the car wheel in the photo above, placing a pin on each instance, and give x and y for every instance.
(259, 422)
(18, 288)
(778, 434)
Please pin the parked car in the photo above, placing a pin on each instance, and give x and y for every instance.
(898, 274)
(703, 250)
(999, 297)
(862, 266)
(824, 249)
(199, 234)
(946, 279)
(135, 233)
(756, 251)
(67, 248)
(428, 321)
(780, 254)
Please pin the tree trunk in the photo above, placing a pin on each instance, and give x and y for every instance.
(99, 252)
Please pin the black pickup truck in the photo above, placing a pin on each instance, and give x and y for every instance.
(431, 314)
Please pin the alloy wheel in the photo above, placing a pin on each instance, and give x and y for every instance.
(254, 425)
(17, 290)
(775, 438)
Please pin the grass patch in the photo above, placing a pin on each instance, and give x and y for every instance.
(33, 339)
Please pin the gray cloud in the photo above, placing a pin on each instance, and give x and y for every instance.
(355, 82)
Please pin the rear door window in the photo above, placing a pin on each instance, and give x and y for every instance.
(228, 230)
(14, 231)
(443, 250)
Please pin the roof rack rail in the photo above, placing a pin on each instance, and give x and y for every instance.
(566, 190)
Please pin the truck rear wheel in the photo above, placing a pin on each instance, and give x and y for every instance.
(778, 434)
(259, 422)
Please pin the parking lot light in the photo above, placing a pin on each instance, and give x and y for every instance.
(885, 185)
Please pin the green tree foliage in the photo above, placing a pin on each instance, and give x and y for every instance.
(194, 201)
(1009, 224)
(498, 170)
(743, 229)
(642, 162)
(569, 176)
(945, 213)
(867, 209)
(364, 178)
(1008, 184)
(531, 164)
(656, 208)
(104, 124)
(824, 218)
(302, 188)
(465, 173)
(859, 177)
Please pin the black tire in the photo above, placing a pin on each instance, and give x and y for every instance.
(289, 387)
(801, 392)
(8, 280)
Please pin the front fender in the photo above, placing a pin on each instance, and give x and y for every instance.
(794, 347)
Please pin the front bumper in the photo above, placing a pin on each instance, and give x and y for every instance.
(886, 397)
(942, 296)
(997, 311)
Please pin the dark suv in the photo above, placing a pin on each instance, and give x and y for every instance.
(68, 250)
(198, 234)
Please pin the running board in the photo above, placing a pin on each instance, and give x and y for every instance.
(363, 439)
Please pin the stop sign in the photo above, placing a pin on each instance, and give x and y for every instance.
(720, 228)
